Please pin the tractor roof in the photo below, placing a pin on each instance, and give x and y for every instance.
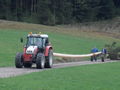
(38, 35)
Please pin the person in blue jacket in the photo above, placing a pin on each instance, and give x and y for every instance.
(94, 57)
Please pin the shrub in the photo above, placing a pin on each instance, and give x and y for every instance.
(113, 51)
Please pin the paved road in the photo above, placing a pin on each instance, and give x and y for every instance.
(6, 72)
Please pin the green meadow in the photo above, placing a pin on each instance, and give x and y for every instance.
(104, 76)
(88, 77)
(63, 42)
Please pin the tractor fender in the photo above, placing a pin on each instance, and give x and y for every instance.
(47, 50)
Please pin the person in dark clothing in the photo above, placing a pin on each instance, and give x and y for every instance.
(104, 51)
(94, 57)
(103, 54)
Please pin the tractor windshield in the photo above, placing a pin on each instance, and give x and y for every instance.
(34, 41)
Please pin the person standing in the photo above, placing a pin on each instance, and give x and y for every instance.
(103, 54)
(94, 57)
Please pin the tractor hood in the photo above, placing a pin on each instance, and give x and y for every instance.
(31, 49)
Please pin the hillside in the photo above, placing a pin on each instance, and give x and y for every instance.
(109, 26)
(64, 39)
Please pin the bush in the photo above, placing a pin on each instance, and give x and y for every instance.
(113, 51)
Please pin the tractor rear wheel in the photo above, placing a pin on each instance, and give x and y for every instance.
(19, 60)
(28, 65)
(49, 59)
(40, 61)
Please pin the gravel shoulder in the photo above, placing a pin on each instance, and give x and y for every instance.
(6, 72)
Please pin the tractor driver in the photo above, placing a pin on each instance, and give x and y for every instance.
(38, 42)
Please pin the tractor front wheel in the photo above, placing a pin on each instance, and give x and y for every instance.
(19, 60)
(40, 61)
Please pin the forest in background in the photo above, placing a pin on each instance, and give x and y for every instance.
(54, 12)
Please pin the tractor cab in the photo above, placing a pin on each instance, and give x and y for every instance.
(39, 40)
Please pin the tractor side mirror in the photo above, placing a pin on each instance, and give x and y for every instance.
(21, 40)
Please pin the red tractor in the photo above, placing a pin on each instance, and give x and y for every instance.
(37, 50)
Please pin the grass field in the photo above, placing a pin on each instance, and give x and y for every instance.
(62, 43)
(88, 77)
(62, 39)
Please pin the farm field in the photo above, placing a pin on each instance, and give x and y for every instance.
(62, 39)
(82, 53)
(88, 77)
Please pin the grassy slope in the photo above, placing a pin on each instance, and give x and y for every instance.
(63, 40)
(109, 26)
(87, 77)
